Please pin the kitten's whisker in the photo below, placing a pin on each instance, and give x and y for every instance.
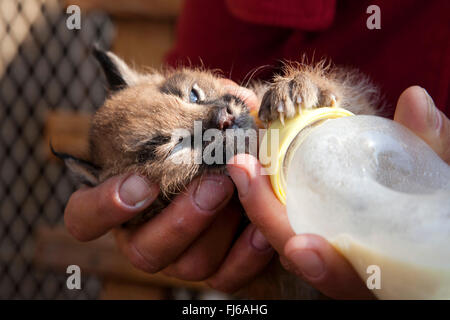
(251, 74)
(231, 70)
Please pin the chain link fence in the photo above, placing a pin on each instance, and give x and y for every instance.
(43, 67)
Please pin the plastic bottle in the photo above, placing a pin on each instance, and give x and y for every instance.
(373, 189)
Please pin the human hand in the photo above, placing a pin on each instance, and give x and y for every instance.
(309, 256)
(417, 111)
(192, 239)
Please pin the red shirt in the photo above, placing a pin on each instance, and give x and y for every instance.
(237, 36)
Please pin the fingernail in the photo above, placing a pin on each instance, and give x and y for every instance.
(434, 116)
(134, 191)
(308, 263)
(240, 179)
(259, 241)
(212, 192)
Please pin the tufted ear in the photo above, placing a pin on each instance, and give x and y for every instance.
(118, 74)
(83, 171)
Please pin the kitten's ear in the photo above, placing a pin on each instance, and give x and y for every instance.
(83, 171)
(118, 74)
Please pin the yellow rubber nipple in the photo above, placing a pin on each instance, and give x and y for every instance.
(282, 135)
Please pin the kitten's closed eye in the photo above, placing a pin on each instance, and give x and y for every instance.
(180, 145)
(147, 151)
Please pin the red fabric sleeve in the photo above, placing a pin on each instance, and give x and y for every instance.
(298, 14)
(241, 36)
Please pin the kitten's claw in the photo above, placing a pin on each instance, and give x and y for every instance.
(280, 108)
(298, 101)
(282, 118)
(333, 100)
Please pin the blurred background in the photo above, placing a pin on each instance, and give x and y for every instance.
(49, 86)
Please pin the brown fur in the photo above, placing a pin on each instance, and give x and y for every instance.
(145, 111)
(153, 105)
(320, 85)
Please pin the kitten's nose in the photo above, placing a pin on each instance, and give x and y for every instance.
(225, 118)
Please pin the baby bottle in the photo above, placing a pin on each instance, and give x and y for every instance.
(374, 190)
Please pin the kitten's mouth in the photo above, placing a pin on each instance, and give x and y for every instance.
(238, 134)
(229, 113)
(225, 119)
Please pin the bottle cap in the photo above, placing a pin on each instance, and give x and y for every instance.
(283, 134)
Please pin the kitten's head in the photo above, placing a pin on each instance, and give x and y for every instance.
(157, 125)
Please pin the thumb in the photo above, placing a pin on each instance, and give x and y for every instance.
(417, 111)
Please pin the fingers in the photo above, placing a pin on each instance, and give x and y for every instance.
(91, 212)
(205, 255)
(310, 257)
(315, 260)
(417, 111)
(249, 256)
(157, 243)
(259, 201)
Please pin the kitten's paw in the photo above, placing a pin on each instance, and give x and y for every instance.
(287, 96)
(279, 101)
(327, 99)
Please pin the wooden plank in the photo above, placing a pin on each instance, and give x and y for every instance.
(158, 9)
(119, 290)
(56, 249)
(144, 29)
(143, 43)
(68, 132)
